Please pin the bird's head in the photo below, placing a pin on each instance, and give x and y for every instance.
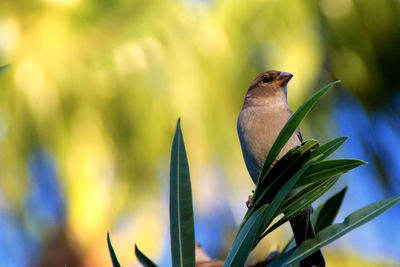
(269, 84)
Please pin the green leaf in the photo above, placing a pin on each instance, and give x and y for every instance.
(282, 171)
(278, 173)
(301, 200)
(143, 259)
(114, 259)
(327, 149)
(2, 68)
(325, 169)
(286, 167)
(244, 241)
(290, 127)
(181, 209)
(325, 214)
(335, 231)
(273, 208)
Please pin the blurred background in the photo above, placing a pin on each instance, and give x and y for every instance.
(89, 104)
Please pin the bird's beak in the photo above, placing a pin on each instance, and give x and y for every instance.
(284, 78)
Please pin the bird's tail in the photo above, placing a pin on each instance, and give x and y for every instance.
(303, 230)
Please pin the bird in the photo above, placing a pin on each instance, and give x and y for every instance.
(264, 113)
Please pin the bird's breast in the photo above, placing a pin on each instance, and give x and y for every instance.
(260, 126)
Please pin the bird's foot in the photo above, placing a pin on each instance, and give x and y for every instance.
(249, 202)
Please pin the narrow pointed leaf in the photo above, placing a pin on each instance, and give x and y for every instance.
(325, 169)
(285, 167)
(2, 68)
(181, 209)
(325, 214)
(327, 149)
(304, 193)
(243, 244)
(289, 162)
(143, 259)
(273, 208)
(114, 259)
(290, 127)
(303, 199)
(335, 231)
(320, 218)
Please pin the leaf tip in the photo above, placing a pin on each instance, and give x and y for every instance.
(330, 85)
(137, 250)
(178, 123)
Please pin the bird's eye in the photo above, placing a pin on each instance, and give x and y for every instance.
(266, 79)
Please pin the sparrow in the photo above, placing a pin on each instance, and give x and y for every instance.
(264, 113)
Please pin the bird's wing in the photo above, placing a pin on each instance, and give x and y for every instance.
(249, 159)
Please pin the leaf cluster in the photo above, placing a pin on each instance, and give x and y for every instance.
(286, 187)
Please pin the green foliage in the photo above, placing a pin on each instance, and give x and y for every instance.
(267, 188)
(143, 259)
(325, 150)
(181, 210)
(243, 244)
(303, 170)
(327, 169)
(114, 259)
(335, 231)
(325, 214)
(301, 200)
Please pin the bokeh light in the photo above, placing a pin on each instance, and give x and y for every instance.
(89, 104)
